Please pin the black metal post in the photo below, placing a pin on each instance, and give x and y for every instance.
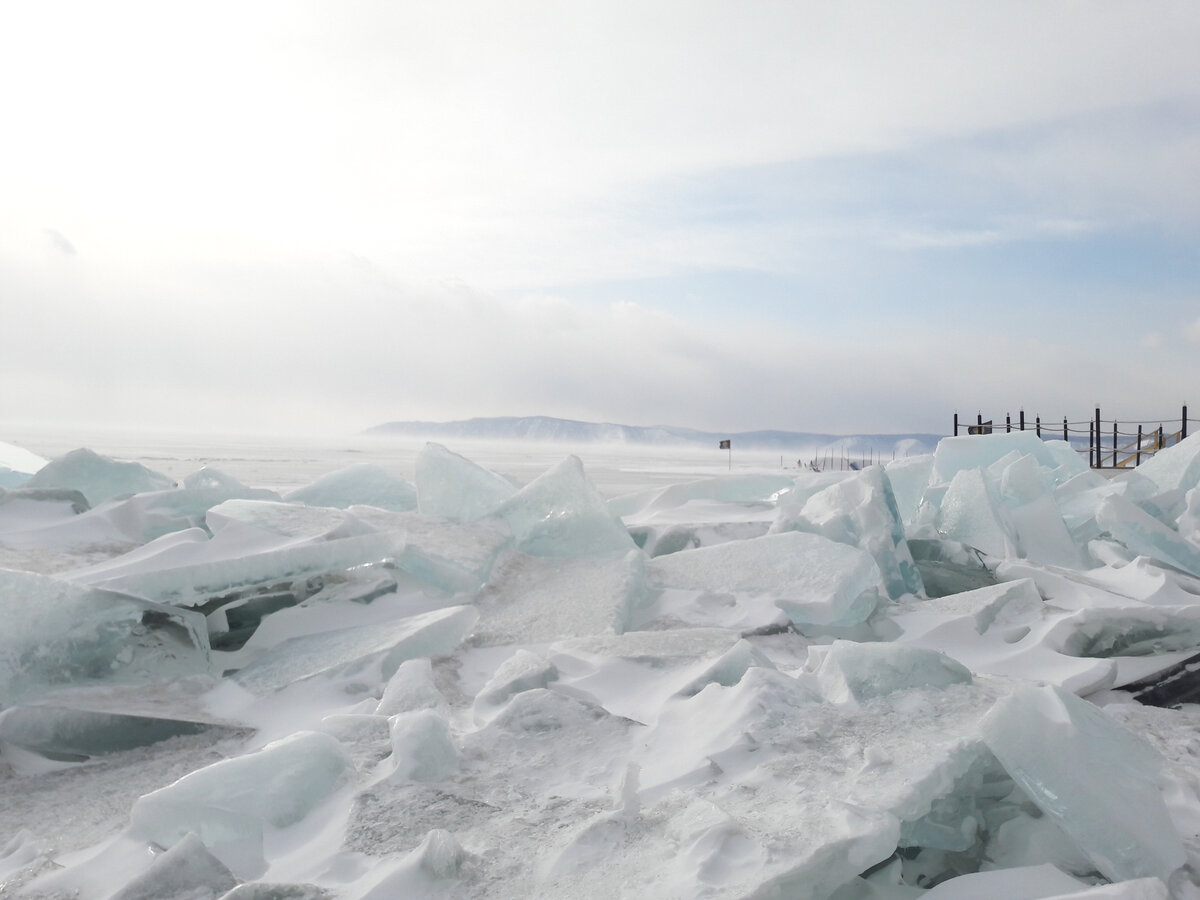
(1138, 460)
(1114, 444)
(1183, 432)
(1160, 438)
(1092, 444)
(1097, 437)
(956, 424)
(1039, 426)
(1022, 420)
(979, 421)
(1065, 435)
(1008, 423)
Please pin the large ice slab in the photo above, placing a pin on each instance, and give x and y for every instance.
(559, 513)
(861, 511)
(1041, 533)
(453, 487)
(972, 513)
(812, 579)
(229, 804)
(956, 454)
(378, 649)
(909, 478)
(1177, 466)
(853, 672)
(1100, 783)
(97, 477)
(57, 633)
(537, 599)
(1145, 535)
(453, 556)
(360, 484)
(194, 583)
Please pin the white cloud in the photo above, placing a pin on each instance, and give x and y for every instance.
(1151, 341)
(1192, 331)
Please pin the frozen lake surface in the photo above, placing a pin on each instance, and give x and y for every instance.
(354, 668)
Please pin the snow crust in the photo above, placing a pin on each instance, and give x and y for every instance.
(914, 680)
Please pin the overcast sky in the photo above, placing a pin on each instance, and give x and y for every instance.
(841, 217)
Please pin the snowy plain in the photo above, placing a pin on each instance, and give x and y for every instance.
(365, 669)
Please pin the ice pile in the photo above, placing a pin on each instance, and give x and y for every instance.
(915, 679)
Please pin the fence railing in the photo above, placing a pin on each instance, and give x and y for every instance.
(1109, 444)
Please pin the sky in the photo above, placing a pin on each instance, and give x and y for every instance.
(299, 217)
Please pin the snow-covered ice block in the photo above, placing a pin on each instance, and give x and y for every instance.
(1133, 631)
(531, 599)
(270, 890)
(814, 580)
(378, 648)
(1177, 466)
(59, 634)
(634, 674)
(422, 749)
(560, 513)
(453, 487)
(97, 477)
(427, 872)
(861, 511)
(972, 512)
(411, 688)
(1145, 535)
(1100, 783)
(229, 804)
(186, 871)
(364, 484)
(449, 555)
(1002, 629)
(829, 787)
(523, 671)
(852, 672)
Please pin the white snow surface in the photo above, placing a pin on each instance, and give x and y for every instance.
(490, 673)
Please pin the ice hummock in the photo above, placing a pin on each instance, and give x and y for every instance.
(99, 478)
(451, 486)
(560, 513)
(510, 696)
(745, 584)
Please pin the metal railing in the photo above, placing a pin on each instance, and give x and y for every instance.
(1103, 440)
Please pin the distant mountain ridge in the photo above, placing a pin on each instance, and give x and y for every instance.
(546, 429)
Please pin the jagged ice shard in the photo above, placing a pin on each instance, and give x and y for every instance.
(868, 685)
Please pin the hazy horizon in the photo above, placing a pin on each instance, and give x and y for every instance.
(302, 218)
